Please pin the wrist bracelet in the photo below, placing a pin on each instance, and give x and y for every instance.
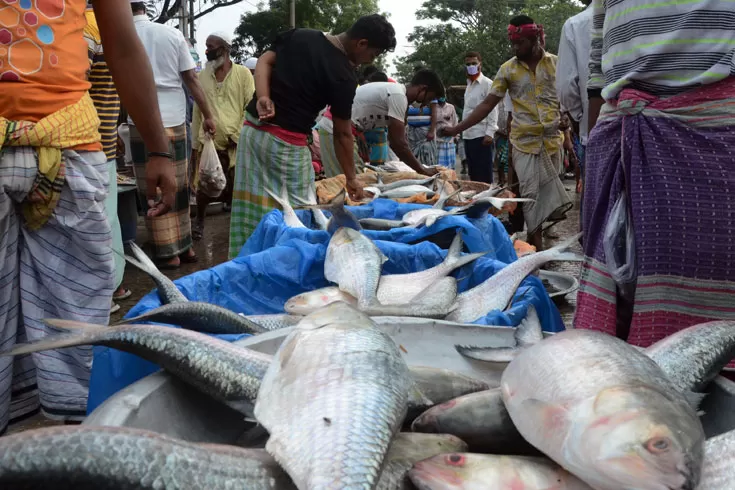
(160, 154)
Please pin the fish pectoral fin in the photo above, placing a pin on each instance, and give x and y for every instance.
(416, 397)
(488, 354)
(552, 417)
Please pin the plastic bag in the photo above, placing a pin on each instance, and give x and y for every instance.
(619, 244)
(212, 180)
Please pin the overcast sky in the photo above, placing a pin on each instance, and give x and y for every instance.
(402, 16)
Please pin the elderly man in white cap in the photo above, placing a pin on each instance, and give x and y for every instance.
(172, 65)
(228, 88)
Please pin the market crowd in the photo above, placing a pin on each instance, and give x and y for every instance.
(640, 102)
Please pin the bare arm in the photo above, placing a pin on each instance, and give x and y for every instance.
(191, 80)
(344, 147)
(399, 145)
(480, 113)
(596, 103)
(434, 119)
(263, 74)
(597, 78)
(133, 76)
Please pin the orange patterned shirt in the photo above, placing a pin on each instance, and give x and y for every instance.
(43, 57)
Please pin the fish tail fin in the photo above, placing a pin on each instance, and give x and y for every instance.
(311, 195)
(561, 253)
(138, 264)
(86, 334)
(455, 249)
(488, 354)
(499, 202)
(694, 399)
(455, 259)
(529, 331)
(337, 202)
(279, 200)
(141, 260)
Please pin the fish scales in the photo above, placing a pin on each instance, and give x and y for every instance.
(225, 371)
(200, 317)
(333, 399)
(497, 291)
(605, 412)
(354, 263)
(94, 458)
(480, 419)
(718, 472)
(167, 290)
(694, 356)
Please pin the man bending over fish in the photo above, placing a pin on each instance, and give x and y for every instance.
(383, 105)
(301, 73)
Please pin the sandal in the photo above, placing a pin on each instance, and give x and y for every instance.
(125, 295)
(115, 308)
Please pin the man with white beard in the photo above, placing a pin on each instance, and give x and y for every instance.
(228, 88)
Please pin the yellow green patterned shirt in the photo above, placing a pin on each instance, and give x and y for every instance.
(536, 112)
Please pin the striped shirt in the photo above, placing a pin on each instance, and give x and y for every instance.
(661, 47)
(103, 92)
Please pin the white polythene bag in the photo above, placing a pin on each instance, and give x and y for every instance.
(212, 180)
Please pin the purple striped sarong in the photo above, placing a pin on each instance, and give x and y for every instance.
(674, 158)
(65, 269)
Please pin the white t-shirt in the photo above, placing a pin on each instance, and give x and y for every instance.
(376, 102)
(169, 55)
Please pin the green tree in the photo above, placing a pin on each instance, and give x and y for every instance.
(258, 29)
(477, 25)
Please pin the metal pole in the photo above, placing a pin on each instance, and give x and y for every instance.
(192, 34)
(184, 22)
(293, 14)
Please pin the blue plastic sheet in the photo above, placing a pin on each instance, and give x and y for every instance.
(279, 262)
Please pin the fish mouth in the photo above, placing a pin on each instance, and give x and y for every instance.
(425, 476)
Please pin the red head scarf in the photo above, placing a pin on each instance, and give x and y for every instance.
(527, 31)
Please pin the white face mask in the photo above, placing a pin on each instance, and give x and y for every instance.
(473, 70)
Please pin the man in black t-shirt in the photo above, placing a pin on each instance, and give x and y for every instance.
(299, 75)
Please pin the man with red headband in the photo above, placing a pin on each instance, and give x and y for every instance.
(530, 79)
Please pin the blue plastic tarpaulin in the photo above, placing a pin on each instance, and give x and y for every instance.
(279, 262)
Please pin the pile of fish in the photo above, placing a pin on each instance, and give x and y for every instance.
(342, 409)
(478, 205)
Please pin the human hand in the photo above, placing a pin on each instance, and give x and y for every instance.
(430, 171)
(209, 126)
(159, 174)
(448, 131)
(487, 141)
(430, 136)
(354, 189)
(266, 109)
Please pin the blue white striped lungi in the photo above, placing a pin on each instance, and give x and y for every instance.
(63, 270)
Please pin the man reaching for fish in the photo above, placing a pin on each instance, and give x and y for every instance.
(383, 105)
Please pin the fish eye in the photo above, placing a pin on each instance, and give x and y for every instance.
(658, 445)
(455, 459)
